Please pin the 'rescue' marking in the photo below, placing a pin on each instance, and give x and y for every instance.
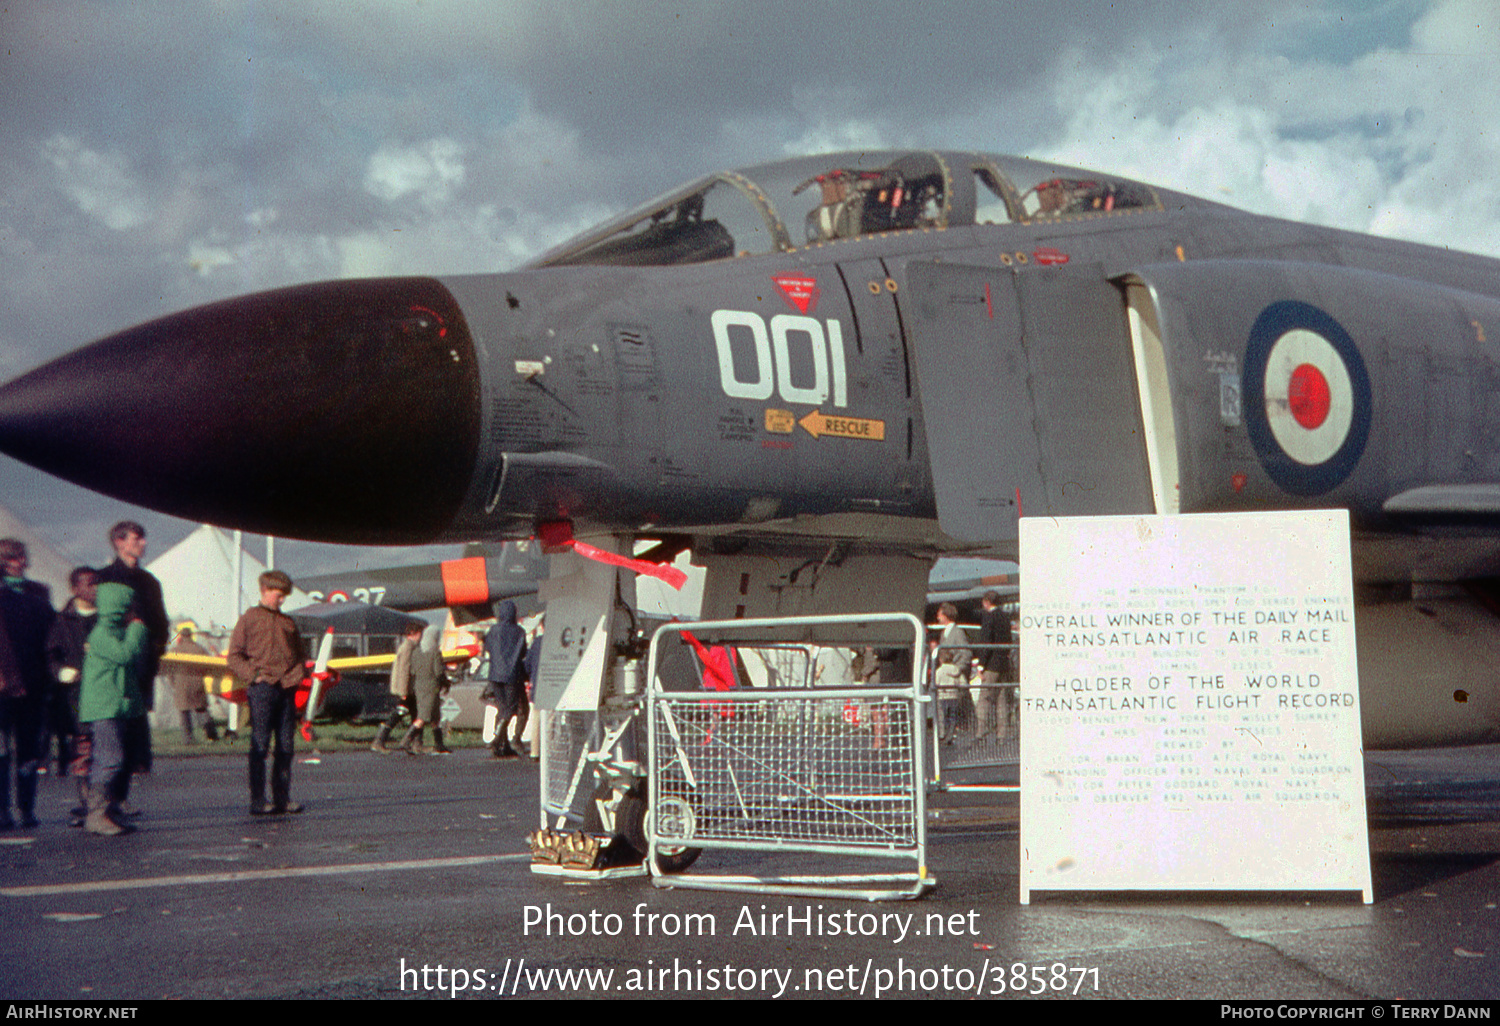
(817, 423)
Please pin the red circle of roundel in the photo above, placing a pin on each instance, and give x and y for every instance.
(1308, 396)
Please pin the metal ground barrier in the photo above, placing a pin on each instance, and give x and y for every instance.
(831, 776)
(574, 742)
(975, 726)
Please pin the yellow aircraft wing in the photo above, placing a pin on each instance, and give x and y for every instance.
(375, 662)
(208, 662)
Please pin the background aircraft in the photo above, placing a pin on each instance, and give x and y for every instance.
(824, 372)
(486, 573)
(469, 585)
(348, 677)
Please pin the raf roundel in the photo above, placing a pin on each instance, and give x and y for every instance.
(1308, 397)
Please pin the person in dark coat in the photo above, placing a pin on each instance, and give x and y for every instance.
(506, 646)
(26, 615)
(147, 605)
(129, 541)
(66, 643)
(994, 629)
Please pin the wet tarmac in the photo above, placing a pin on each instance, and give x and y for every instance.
(407, 876)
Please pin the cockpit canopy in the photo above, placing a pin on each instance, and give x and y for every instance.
(909, 193)
(814, 201)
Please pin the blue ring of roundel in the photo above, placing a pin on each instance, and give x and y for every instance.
(1300, 479)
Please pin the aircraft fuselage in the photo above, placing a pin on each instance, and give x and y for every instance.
(903, 351)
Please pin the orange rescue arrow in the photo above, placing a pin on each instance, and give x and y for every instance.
(817, 423)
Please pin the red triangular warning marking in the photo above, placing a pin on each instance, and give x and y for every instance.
(800, 291)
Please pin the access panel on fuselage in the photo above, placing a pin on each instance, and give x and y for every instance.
(796, 410)
(1028, 393)
(1088, 416)
(974, 380)
(880, 352)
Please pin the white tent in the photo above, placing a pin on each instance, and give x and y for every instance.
(197, 580)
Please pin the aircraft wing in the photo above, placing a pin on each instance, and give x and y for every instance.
(1461, 505)
(377, 662)
(374, 662)
(208, 662)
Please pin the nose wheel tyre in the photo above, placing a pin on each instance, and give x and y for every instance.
(630, 820)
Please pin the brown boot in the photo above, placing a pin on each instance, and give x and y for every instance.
(97, 821)
(411, 744)
(378, 745)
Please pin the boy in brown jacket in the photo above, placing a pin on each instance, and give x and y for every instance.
(265, 651)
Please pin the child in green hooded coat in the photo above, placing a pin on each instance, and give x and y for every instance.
(110, 698)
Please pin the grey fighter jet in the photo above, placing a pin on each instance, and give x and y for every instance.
(823, 372)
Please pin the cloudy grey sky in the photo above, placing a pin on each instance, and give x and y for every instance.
(157, 155)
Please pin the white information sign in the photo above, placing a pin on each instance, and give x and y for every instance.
(1190, 702)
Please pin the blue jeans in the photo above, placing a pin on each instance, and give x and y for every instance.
(273, 714)
(109, 775)
(20, 741)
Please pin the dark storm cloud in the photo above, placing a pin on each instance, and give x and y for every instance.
(281, 105)
(655, 90)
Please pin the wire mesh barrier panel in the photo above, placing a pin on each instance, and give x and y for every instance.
(834, 773)
(977, 723)
(820, 771)
(566, 786)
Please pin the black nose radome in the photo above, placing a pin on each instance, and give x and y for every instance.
(344, 411)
